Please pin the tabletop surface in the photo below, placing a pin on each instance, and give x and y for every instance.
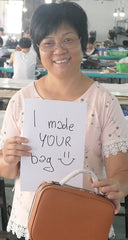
(2, 113)
(7, 69)
(101, 74)
(117, 89)
(8, 83)
(109, 57)
(88, 72)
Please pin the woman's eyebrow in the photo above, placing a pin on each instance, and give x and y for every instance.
(69, 33)
(47, 37)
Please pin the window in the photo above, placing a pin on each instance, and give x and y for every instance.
(14, 17)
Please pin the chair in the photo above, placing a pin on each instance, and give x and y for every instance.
(125, 43)
(4, 218)
(6, 56)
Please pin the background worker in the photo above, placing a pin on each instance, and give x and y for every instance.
(23, 60)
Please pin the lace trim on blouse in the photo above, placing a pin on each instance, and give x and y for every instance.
(19, 230)
(115, 147)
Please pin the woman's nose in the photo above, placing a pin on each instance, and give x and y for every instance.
(59, 46)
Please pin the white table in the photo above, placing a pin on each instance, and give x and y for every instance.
(119, 90)
(2, 113)
(9, 86)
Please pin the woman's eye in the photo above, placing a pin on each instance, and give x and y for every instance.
(48, 43)
(68, 40)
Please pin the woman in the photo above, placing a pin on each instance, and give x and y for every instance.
(91, 50)
(59, 34)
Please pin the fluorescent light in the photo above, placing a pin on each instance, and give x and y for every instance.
(25, 9)
(115, 14)
(122, 13)
(48, 1)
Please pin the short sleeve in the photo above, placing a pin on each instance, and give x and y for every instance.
(115, 128)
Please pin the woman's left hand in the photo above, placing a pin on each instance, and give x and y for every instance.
(111, 189)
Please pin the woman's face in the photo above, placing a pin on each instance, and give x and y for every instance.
(61, 52)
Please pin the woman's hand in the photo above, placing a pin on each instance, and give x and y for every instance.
(14, 148)
(111, 189)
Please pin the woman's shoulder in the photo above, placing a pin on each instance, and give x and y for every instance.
(99, 90)
(99, 96)
(26, 92)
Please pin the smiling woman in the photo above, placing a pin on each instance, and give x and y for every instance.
(60, 52)
(60, 34)
(56, 20)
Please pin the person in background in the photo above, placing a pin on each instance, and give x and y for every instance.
(60, 39)
(91, 50)
(11, 42)
(23, 60)
(3, 50)
(26, 33)
(4, 36)
(1, 31)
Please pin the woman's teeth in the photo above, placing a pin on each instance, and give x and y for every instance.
(61, 61)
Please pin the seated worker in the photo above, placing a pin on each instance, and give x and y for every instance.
(4, 36)
(90, 57)
(11, 42)
(23, 60)
(3, 50)
(1, 31)
(26, 33)
(91, 50)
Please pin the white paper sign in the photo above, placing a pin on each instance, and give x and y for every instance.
(56, 133)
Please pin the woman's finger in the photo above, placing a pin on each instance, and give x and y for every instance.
(117, 206)
(17, 153)
(17, 139)
(17, 146)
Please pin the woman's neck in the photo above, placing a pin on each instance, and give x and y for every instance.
(66, 89)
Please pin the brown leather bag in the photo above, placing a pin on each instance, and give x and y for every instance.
(62, 212)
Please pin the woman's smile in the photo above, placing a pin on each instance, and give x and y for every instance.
(62, 61)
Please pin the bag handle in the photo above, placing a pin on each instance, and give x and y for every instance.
(75, 173)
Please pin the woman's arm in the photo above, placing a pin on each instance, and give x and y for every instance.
(10, 158)
(117, 169)
(115, 186)
(11, 60)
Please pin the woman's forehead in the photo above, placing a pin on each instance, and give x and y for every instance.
(62, 29)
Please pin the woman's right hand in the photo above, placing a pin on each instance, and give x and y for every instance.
(14, 148)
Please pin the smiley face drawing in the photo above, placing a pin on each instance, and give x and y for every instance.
(66, 162)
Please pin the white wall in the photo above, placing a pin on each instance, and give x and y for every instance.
(2, 14)
(100, 15)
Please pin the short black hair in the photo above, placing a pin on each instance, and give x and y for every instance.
(1, 29)
(1, 41)
(91, 40)
(25, 42)
(48, 17)
(27, 30)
